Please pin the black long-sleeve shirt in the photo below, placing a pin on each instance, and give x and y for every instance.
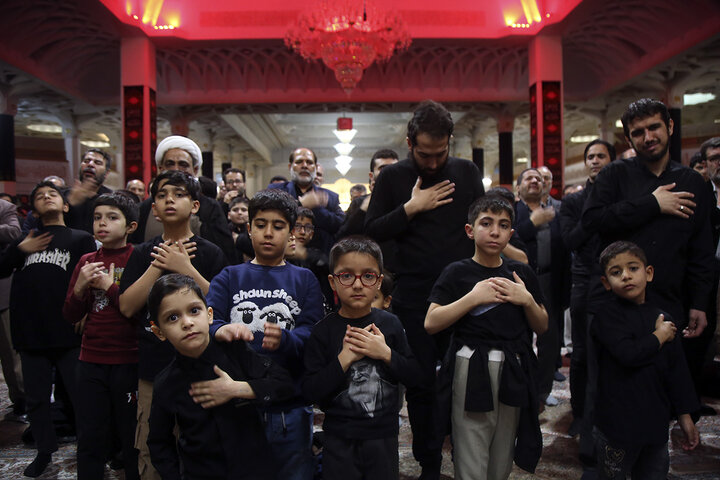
(582, 243)
(361, 403)
(640, 385)
(223, 442)
(431, 240)
(621, 206)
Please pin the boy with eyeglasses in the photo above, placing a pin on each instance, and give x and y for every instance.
(354, 361)
(273, 305)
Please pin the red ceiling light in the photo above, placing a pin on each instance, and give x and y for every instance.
(348, 36)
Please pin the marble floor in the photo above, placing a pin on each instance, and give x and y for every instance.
(558, 462)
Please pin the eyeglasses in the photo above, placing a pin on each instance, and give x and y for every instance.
(307, 228)
(347, 279)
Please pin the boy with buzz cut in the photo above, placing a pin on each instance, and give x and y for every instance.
(107, 371)
(643, 378)
(354, 360)
(175, 198)
(43, 262)
(221, 435)
(487, 383)
(274, 305)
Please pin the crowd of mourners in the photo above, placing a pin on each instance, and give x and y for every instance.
(182, 330)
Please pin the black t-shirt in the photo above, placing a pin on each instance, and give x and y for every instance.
(494, 322)
(155, 355)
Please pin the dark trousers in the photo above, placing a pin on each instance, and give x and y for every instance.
(579, 331)
(106, 394)
(587, 441)
(421, 400)
(37, 368)
(346, 459)
(548, 344)
(646, 462)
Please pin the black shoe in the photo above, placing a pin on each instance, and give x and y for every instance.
(575, 427)
(38, 466)
(559, 377)
(17, 418)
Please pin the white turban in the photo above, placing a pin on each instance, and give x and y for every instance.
(183, 143)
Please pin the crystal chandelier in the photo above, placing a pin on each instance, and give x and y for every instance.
(348, 37)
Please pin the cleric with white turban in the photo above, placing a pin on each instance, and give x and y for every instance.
(182, 143)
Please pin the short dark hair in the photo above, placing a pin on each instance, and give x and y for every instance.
(11, 198)
(274, 199)
(504, 193)
(359, 188)
(292, 156)
(609, 146)
(616, 248)
(522, 174)
(388, 284)
(695, 159)
(103, 153)
(306, 212)
(177, 178)
(359, 244)
(45, 183)
(238, 199)
(232, 170)
(643, 108)
(707, 145)
(384, 153)
(167, 285)
(208, 187)
(122, 202)
(490, 203)
(278, 178)
(431, 118)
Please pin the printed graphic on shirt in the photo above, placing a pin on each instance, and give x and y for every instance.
(255, 317)
(100, 299)
(58, 257)
(367, 393)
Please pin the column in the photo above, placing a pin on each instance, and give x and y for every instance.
(139, 108)
(8, 109)
(546, 107)
(505, 126)
(72, 146)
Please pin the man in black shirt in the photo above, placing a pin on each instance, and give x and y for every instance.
(422, 202)
(94, 168)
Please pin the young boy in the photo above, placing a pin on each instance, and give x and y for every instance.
(107, 371)
(175, 198)
(221, 433)
(43, 262)
(274, 305)
(487, 381)
(383, 297)
(354, 360)
(643, 378)
(237, 221)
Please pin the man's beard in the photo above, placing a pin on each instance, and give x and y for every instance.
(302, 181)
(653, 158)
(99, 179)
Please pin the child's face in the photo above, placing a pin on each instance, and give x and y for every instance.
(304, 230)
(291, 246)
(173, 203)
(48, 200)
(381, 302)
(238, 214)
(491, 232)
(184, 320)
(356, 279)
(627, 277)
(110, 227)
(269, 232)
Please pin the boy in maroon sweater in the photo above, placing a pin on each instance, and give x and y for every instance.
(107, 371)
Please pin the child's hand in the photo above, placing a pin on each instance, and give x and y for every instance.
(347, 356)
(370, 343)
(88, 273)
(173, 257)
(32, 244)
(190, 247)
(664, 331)
(233, 331)
(692, 438)
(513, 292)
(102, 280)
(272, 337)
(211, 393)
(484, 292)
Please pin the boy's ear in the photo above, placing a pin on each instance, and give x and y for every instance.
(605, 282)
(650, 273)
(331, 281)
(156, 330)
(66, 207)
(196, 206)
(131, 228)
(210, 315)
(379, 283)
(387, 302)
(154, 209)
(469, 231)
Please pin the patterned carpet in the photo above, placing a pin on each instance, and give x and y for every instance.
(558, 462)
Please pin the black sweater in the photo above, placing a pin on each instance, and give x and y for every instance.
(224, 442)
(431, 240)
(39, 285)
(361, 403)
